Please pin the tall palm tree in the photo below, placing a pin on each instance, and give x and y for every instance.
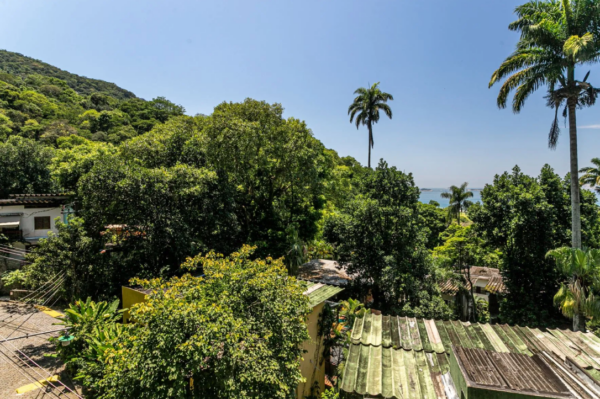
(576, 298)
(556, 37)
(458, 201)
(367, 104)
(592, 175)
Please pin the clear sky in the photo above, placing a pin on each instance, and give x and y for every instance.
(435, 57)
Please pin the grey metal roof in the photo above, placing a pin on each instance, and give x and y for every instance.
(368, 370)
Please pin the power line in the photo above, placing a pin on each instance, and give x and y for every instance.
(37, 365)
(28, 377)
(35, 334)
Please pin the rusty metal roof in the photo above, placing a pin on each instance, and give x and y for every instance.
(509, 372)
(324, 271)
(409, 335)
(495, 282)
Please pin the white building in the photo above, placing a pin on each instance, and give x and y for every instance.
(25, 218)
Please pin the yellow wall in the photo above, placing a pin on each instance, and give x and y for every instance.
(130, 298)
(313, 369)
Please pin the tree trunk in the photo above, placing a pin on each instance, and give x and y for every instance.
(575, 195)
(578, 322)
(370, 141)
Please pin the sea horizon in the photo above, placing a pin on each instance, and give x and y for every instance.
(434, 194)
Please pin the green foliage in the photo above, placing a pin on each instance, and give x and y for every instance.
(13, 278)
(86, 322)
(330, 393)
(458, 201)
(524, 217)
(591, 175)
(350, 310)
(379, 234)
(434, 220)
(580, 270)
(236, 333)
(483, 313)
(74, 255)
(21, 66)
(24, 167)
(463, 246)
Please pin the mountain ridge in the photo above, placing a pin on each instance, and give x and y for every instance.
(22, 66)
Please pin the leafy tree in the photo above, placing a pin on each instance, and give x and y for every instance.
(366, 107)
(581, 270)
(166, 214)
(235, 333)
(462, 246)
(24, 167)
(72, 259)
(434, 221)
(517, 217)
(556, 37)
(591, 175)
(379, 236)
(458, 201)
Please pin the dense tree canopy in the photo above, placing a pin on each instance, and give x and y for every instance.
(239, 331)
(380, 237)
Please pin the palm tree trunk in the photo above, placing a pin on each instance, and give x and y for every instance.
(575, 195)
(370, 141)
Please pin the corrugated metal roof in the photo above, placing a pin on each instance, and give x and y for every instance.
(377, 370)
(406, 334)
(319, 292)
(495, 282)
(19, 201)
(39, 195)
(509, 372)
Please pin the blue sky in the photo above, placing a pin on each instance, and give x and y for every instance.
(435, 57)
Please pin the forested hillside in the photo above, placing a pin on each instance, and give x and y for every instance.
(41, 102)
(22, 66)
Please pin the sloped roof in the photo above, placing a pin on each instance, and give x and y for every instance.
(369, 370)
(509, 372)
(319, 292)
(324, 271)
(495, 281)
(34, 199)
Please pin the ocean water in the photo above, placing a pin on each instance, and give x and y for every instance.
(435, 195)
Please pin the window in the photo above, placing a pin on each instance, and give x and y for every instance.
(42, 222)
(478, 290)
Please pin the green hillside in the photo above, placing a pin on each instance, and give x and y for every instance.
(41, 102)
(20, 65)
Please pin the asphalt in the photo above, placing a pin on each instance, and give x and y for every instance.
(16, 320)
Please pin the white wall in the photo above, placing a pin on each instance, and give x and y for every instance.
(28, 217)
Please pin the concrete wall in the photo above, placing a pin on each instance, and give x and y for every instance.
(312, 366)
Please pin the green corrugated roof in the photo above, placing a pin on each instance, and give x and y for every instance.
(387, 353)
(318, 292)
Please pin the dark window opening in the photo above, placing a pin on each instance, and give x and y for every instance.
(42, 222)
